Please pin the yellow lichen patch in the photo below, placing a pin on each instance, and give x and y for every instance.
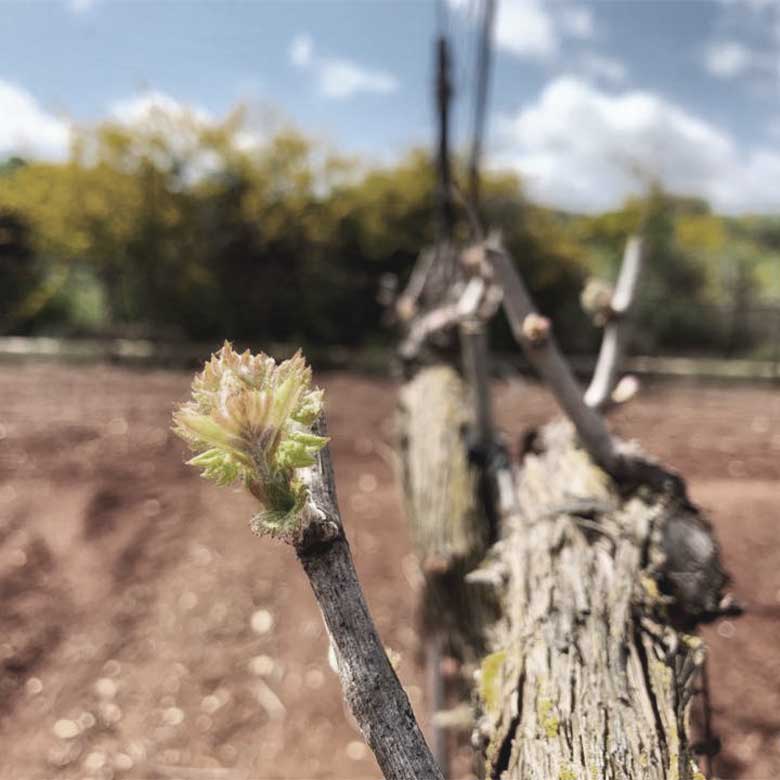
(546, 717)
(692, 641)
(567, 773)
(674, 770)
(490, 682)
(650, 587)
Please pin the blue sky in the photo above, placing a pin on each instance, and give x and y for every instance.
(585, 94)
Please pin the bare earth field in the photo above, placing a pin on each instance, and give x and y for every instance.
(145, 633)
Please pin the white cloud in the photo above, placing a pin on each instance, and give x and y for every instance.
(302, 51)
(577, 22)
(342, 79)
(526, 28)
(605, 68)
(153, 112)
(578, 148)
(30, 131)
(728, 59)
(534, 28)
(151, 106)
(80, 6)
(27, 129)
(339, 78)
(158, 112)
(747, 46)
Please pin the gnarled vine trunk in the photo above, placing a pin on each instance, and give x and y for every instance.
(592, 668)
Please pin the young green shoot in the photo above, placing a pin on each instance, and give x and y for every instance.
(249, 421)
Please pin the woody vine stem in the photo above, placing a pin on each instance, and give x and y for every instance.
(255, 422)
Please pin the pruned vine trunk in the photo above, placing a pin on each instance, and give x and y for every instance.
(592, 669)
(450, 533)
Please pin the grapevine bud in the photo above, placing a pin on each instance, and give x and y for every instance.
(250, 421)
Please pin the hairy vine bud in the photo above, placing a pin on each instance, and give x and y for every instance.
(596, 300)
(249, 420)
(536, 329)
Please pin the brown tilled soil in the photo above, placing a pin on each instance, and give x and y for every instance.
(145, 633)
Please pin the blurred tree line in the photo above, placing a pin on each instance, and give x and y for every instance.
(174, 228)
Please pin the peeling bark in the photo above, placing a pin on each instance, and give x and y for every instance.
(593, 668)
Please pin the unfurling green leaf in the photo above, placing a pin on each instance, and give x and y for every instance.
(250, 421)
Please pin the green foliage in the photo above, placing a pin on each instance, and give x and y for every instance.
(174, 228)
(10, 165)
(703, 273)
(177, 228)
(21, 274)
(250, 421)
